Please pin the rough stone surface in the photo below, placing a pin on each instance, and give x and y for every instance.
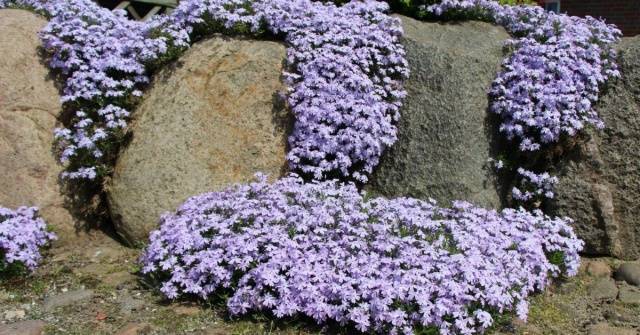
(600, 185)
(135, 329)
(213, 120)
(17, 314)
(66, 299)
(598, 269)
(620, 314)
(629, 272)
(29, 105)
(30, 327)
(606, 329)
(128, 304)
(629, 294)
(604, 289)
(444, 134)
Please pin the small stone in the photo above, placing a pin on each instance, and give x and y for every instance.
(118, 279)
(598, 269)
(605, 329)
(129, 304)
(31, 327)
(629, 272)
(66, 299)
(616, 314)
(604, 289)
(14, 315)
(134, 329)
(629, 294)
(566, 288)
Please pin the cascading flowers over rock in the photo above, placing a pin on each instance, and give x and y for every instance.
(388, 266)
(551, 81)
(22, 235)
(345, 70)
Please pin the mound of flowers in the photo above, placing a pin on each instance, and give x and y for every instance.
(22, 235)
(550, 81)
(345, 70)
(391, 266)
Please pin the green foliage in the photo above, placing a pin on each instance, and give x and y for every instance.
(10, 270)
(556, 258)
(411, 8)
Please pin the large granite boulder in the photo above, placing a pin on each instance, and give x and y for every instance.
(212, 120)
(444, 135)
(29, 105)
(600, 184)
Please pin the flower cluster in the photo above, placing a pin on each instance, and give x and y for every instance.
(348, 65)
(345, 68)
(534, 185)
(22, 234)
(389, 266)
(553, 76)
(102, 56)
(345, 71)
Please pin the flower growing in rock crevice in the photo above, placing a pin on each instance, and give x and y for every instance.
(534, 186)
(551, 80)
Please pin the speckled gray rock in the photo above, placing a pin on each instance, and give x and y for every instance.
(606, 329)
(600, 184)
(629, 294)
(603, 289)
(30, 327)
(212, 120)
(629, 272)
(66, 299)
(444, 134)
(598, 269)
(29, 106)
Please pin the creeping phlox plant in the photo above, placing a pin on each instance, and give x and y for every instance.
(535, 185)
(22, 234)
(345, 70)
(389, 266)
(552, 78)
(345, 67)
(554, 75)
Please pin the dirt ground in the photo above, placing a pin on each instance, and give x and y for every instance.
(94, 287)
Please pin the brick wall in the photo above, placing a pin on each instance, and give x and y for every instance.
(623, 13)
